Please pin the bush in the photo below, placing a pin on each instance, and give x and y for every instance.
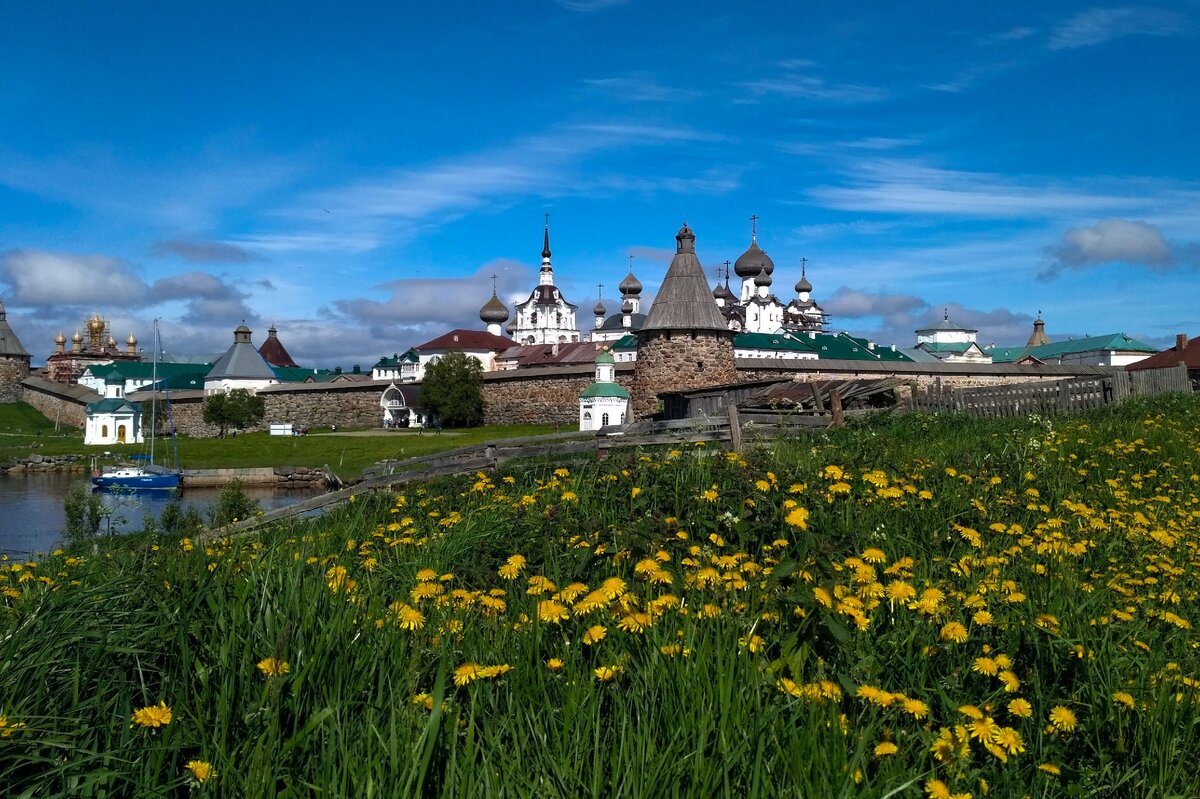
(85, 512)
(233, 504)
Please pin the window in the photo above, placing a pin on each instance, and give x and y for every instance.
(604, 420)
(104, 431)
(587, 416)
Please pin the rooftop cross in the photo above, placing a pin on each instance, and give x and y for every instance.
(599, 291)
(754, 227)
(803, 266)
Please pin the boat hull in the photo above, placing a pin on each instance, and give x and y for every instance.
(165, 482)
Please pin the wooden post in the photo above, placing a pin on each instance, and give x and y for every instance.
(489, 452)
(835, 400)
(818, 401)
(601, 447)
(735, 428)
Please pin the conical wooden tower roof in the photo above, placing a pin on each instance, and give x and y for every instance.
(684, 301)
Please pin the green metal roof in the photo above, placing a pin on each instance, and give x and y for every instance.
(143, 370)
(1057, 349)
(112, 406)
(605, 357)
(298, 374)
(605, 390)
(957, 346)
(772, 341)
(626, 342)
(408, 357)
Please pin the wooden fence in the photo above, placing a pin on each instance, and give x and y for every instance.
(1051, 397)
(729, 430)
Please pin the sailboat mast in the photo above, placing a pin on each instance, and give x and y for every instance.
(153, 391)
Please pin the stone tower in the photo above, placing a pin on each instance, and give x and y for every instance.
(14, 361)
(685, 342)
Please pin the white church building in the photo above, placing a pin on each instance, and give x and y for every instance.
(114, 419)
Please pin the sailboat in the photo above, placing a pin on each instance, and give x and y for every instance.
(147, 474)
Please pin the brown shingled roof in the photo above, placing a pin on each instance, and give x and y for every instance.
(461, 339)
(273, 351)
(1190, 356)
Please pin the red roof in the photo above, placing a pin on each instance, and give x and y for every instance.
(467, 340)
(572, 352)
(1172, 357)
(273, 351)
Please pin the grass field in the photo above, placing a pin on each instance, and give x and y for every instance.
(24, 430)
(918, 607)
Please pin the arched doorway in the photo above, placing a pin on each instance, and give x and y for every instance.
(120, 434)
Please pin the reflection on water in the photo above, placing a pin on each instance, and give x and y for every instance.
(32, 517)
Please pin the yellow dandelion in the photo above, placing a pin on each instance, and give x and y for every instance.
(1123, 698)
(555, 664)
(635, 622)
(986, 666)
(551, 611)
(1009, 740)
(885, 748)
(1050, 768)
(410, 618)
(201, 770)
(916, 708)
(1020, 708)
(874, 555)
(954, 632)
(798, 518)
(607, 673)
(1012, 683)
(466, 674)
(594, 634)
(1062, 718)
(273, 667)
(153, 716)
(936, 789)
(426, 575)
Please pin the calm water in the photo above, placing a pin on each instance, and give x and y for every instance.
(31, 507)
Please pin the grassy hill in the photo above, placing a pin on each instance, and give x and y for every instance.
(924, 606)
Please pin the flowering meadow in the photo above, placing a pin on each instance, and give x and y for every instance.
(924, 606)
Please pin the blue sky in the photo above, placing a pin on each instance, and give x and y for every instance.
(356, 175)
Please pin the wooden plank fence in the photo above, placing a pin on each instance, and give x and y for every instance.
(1050, 397)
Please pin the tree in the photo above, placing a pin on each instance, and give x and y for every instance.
(238, 409)
(452, 390)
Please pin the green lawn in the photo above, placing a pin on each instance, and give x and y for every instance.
(23, 431)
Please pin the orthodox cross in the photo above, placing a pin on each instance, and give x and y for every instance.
(754, 227)
(493, 284)
(803, 264)
(599, 291)
(631, 263)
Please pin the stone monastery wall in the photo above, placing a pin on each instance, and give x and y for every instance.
(547, 395)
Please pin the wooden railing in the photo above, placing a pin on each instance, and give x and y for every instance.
(729, 430)
(1051, 397)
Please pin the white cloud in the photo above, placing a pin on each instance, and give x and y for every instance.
(810, 87)
(897, 186)
(1117, 241)
(43, 278)
(1099, 25)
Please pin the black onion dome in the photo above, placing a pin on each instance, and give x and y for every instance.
(753, 261)
(763, 278)
(631, 285)
(600, 310)
(494, 312)
(803, 285)
(627, 306)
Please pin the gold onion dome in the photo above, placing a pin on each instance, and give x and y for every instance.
(494, 312)
(60, 339)
(132, 340)
(77, 338)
